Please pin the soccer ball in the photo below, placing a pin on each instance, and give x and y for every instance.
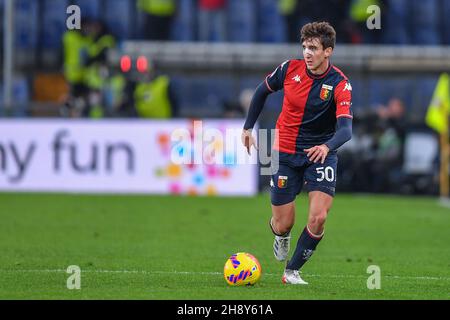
(242, 269)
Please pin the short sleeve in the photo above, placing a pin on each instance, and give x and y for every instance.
(275, 80)
(343, 99)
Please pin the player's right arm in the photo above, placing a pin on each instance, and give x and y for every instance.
(272, 83)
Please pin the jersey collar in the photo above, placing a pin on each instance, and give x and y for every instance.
(318, 76)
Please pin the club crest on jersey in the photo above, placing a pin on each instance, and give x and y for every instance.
(325, 93)
(282, 182)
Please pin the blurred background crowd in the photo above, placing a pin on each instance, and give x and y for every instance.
(68, 73)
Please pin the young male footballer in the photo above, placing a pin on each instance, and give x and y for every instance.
(316, 119)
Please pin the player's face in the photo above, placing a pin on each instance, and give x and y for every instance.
(316, 57)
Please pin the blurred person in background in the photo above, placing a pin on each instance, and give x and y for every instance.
(389, 141)
(239, 108)
(114, 93)
(76, 47)
(360, 153)
(149, 94)
(212, 20)
(375, 162)
(86, 68)
(97, 74)
(159, 15)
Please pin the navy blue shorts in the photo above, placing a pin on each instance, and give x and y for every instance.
(296, 171)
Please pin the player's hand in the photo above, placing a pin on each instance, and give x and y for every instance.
(248, 141)
(318, 153)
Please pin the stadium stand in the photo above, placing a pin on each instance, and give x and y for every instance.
(39, 27)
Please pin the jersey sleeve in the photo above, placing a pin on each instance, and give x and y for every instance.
(343, 99)
(275, 80)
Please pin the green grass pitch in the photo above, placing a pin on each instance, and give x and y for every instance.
(156, 247)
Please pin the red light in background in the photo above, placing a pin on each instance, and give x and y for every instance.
(125, 63)
(142, 64)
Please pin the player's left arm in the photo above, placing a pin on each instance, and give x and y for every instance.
(344, 114)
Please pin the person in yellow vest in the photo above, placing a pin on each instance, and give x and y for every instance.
(85, 68)
(152, 98)
(149, 95)
(76, 59)
(97, 71)
(159, 15)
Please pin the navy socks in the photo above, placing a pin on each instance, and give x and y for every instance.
(306, 246)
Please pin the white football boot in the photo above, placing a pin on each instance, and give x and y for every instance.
(281, 246)
(292, 277)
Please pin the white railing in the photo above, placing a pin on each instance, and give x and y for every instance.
(212, 56)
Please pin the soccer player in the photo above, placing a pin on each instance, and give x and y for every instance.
(316, 119)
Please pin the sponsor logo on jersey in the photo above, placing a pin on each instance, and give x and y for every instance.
(297, 79)
(348, 87)
(325, 93)
(282, 182)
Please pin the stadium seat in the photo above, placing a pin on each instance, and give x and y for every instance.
(381, 89)
(53, 23)
(374, 96)
(422, 94)
(250, 82)
(89, 8)
(139, 24)
(2, 4)
(445, 22)
(424, 22)
(119, 19)
(26, 24)
(20, 96)
(242, 20)
(357, 93)
(396, 22)
(1, 99)
(185, 21)
(203, 96)
(270, 23)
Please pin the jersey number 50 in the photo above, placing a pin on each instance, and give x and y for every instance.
(325, 173)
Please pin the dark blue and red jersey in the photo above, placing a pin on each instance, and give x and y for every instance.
(311, 105)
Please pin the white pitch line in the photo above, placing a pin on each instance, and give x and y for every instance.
(216, 274)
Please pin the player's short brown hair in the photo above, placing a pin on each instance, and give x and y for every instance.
(321, 30)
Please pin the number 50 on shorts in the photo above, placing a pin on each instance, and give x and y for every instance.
(325, 173)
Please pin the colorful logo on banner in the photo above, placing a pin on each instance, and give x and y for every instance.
(194, 179)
